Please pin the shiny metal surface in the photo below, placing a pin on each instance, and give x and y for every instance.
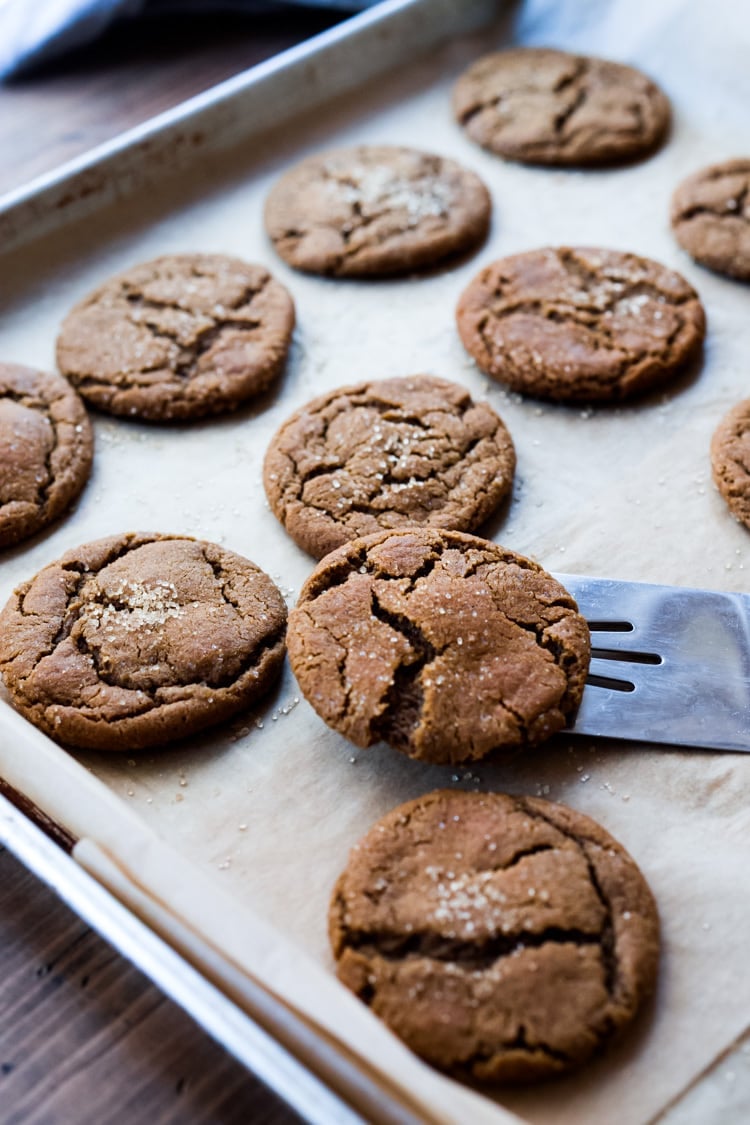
(217, 1014)
(238, 110)
(669, 664)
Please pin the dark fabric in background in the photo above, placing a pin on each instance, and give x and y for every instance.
(34, 31)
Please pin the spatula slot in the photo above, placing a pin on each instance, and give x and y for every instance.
(631, 657)
(609, 682)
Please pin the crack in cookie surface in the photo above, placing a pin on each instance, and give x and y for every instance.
(549, 107)
(46, 447)
(399, 452)
(135, 640)
(178, 337)
(373, 210)
(482, 929)
(580, 325)
(447, 646)
(711, 217)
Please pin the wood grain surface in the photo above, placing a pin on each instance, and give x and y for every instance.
(138, 70)
(85, 1039)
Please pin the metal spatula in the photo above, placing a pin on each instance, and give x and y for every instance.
(669, 664)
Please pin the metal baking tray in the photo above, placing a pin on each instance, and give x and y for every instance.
(194, 179)
(41, 846)
(215, 121)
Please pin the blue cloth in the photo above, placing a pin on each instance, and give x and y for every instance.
(32, 31)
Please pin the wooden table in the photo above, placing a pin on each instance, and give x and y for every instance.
(85, 1039)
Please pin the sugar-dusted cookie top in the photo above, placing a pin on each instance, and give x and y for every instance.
(414, 450)
(442, 644)
(139, 639)
(502, 938)
(375, 210)
(580, 324)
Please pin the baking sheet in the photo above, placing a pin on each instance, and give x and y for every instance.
(269, 807)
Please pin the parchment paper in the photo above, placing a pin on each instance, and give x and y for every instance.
(269, 807)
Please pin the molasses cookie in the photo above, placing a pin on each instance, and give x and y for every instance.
(580, 325)
(542, 106)
(46, 448)
(388, 454)
(177, 338)
(139, 639)
(375, 210)
(711, 217)
(730, 460)
(502, 938)
(442, 644)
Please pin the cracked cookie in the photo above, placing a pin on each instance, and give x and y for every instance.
(730, 460)
(442, 644)
(399, 452)
(139, 639)
(375, 210)
(178, 338)
(46, 449)
(711, 217)
(580, 325)
(502, 938)
(542, 106)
